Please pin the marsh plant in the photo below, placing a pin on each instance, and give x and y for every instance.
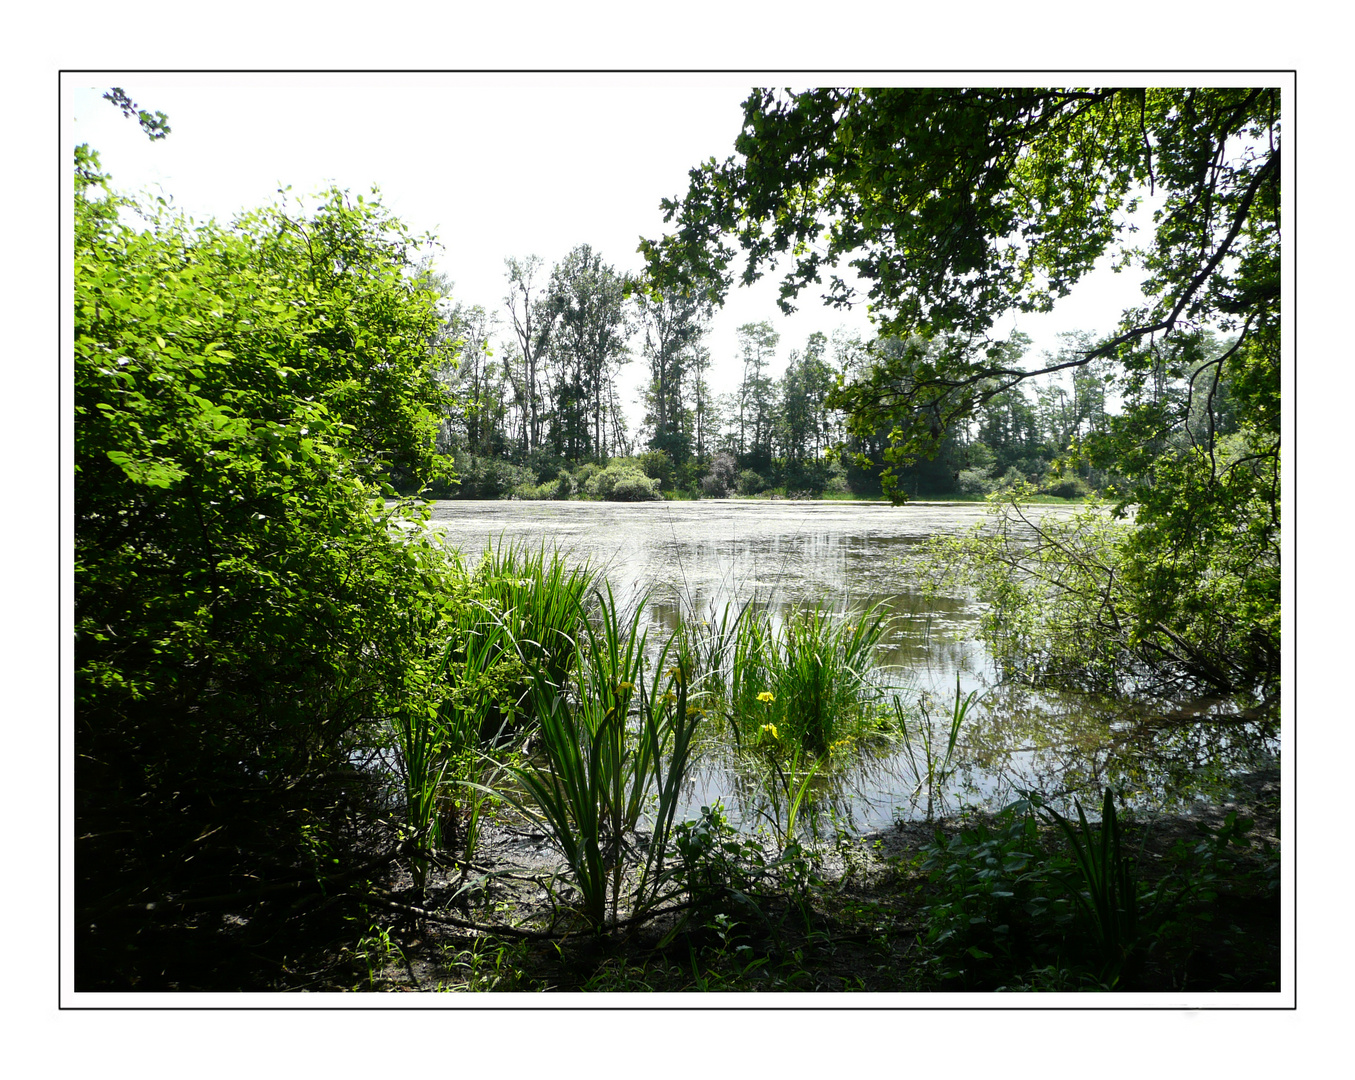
(812, 677)
(517, 610)
(616, 743)
(791, 796)
(537, 598)
(930, 748)
(1120, 913)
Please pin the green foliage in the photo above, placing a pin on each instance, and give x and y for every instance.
(1016, 913)
(598, 775)
(623, 481)
(657, 465)
(932, 771)
(1111, 899)
(245, 605)
(537, 598)
(996, 906)
(1078, 601)
(156, 126)
(482, 478)
(587, 341)
(750, 482)
(729, 876)
(562, 487)
(958, 205)
(810, 679)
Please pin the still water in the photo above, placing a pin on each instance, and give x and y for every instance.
(695, 557)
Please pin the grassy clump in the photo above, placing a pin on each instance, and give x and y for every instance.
(808, 682)
(600, 770)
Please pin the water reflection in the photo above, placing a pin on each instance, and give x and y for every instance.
(692, 559)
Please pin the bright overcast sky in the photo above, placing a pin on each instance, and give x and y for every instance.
(495, 166)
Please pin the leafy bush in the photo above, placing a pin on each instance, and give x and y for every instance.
(248, 612)
(1066, 487)
(562, 487)
(975, 481)
(1016, 914)
(584, 473)
(622, 481)
(657, 465)
(750, 482)
(482, 478)
(1066, 604)
(722, 477)
(545, 464)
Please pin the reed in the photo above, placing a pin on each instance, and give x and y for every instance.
(813, 677)
(537, 598)
(518, 611)
(600, 769)
(932, 768)
(422, 767)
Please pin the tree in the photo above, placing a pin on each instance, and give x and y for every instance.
(955, 206)
(156, 126)
(585, 306)
(757, 345)
(531, 317)
(673, 327)
(705, 415)
(479, 384)
(803, 415)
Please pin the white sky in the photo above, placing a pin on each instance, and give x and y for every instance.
(495, 166)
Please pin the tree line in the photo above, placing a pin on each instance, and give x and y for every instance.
(534, 388)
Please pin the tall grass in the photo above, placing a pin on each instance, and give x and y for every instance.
(537, 598)
(602, 768)
(517, 611)
(932, 768)
(812, 677)
(422, 768)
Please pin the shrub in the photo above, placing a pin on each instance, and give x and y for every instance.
(1066, 487)
(657, 466)
(562, 487)
(622, 481)
(545, 464)
(482, 478)
(584, 473)
(722, 477)
(750, 482)
(975, 481)
(247, 616)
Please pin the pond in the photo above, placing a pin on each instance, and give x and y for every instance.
(694, 557)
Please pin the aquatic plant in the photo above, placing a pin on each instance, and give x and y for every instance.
(933, 769)
(1118, 912)
(600, 771)
(811, 677)
(538, 598)
(518, 609)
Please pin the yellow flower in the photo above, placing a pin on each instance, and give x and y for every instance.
(766, 697)
(770, 729)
